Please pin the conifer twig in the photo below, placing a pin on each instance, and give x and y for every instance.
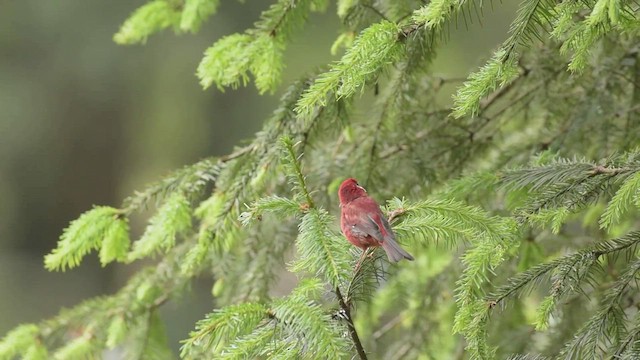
(352, 329)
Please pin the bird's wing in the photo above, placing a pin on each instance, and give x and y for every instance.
(383, 225)
(364, 217)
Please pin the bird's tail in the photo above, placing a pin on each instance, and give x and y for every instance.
(394, 252)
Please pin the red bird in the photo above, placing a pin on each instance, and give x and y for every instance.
(363, 223)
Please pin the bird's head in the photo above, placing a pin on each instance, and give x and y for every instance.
(350, 190)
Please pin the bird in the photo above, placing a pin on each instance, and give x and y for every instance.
(363, 223)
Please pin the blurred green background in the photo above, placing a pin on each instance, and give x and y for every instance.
(84, 121)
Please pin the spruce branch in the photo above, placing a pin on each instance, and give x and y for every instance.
(629, 192)
(190, 180)
(173, 219)
(373, 49)
(533, 15)
(528, 357)
(195, 13)
(365, 277)
(103, 228)
(297, 179)
(605, 327)
(627, 348)
(521, 281)
(19, 341)
(258, 51)
(572, 269)
(314, 239)
(563, 186)
(143, 293)
(222, 326)
(346, 311)
(150, 18)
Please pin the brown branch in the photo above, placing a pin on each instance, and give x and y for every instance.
(387, 327)
(273, 32)
(352, 329)
(375, 10)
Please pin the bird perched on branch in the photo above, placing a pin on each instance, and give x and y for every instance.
(363, 223)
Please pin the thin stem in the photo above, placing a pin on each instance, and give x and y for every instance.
(378, 12)
(352, 329)
(273, 32)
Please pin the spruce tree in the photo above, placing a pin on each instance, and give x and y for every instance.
(519, 198)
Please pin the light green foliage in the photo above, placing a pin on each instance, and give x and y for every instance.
(553, 217)
(248, 329)
(267, 63)
(195, 12)
(37, 351)
(605, 10)
(528, 357)
(173, 218)
(198, 253)
(498, 72)
(223, 325)
(282, 207)
(253, 345)
(374, 49)
(258, 51)
(293, 170)
(307, 320)
(117, 331)
(344, 6)
(79, 348)
(102, 226)
(533, 15)
(448, 220)
(18, 341)
(104, 322)
(628, 192)
(156, 346)
(580, 38)
(546, 308)
(566, 277)
(157, 15)
(437, 12)
(146, 20)
(492, 240)
(322, 252)
(344, 40)
(209, 210)
(228, 62)
(189, 180)
(116, 242)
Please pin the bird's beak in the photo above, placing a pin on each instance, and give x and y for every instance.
(361, 188)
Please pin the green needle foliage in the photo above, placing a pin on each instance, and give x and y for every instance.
(101, 228)
(519, 198)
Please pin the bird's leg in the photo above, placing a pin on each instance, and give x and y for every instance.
(360, 260)
(370, 256)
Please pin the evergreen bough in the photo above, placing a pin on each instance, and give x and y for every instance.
(519, 199)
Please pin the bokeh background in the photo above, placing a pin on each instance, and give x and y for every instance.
(84, 121)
